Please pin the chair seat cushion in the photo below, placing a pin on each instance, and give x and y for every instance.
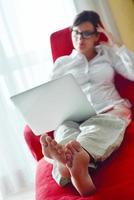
(114, 179)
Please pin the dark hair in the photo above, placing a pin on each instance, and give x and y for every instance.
(89, 16)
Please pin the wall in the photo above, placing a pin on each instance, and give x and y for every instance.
(123, 13)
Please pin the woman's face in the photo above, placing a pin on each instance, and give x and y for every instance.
(84, 37)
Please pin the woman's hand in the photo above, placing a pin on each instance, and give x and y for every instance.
(111, 40)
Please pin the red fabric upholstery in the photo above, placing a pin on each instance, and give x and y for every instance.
(33, 143)
(115, 178)
(125, 88)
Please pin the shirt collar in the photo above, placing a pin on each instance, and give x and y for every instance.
(78, 54)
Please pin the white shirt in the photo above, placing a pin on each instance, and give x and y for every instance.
(96, 77)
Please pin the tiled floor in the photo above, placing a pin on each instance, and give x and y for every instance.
(23, 196)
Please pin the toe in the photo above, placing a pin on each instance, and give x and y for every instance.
(70, 148)
(76, 145)
(53, 143)
(60, 149)
(68, 154)
(56, 147)
(43, 138)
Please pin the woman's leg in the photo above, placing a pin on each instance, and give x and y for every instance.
(78, 165)
(102, 134)
(99, 136)
(70, 160)
(56, 152)
(55, 149)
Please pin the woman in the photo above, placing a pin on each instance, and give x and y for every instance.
(77, 146)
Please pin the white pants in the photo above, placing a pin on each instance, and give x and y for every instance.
(100, 135)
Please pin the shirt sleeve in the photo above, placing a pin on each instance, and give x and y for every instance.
(57, 69)
(123, 62)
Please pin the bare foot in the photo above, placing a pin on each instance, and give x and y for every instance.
(55, 151)
(52, 149)
(44, 145)
(78, 167)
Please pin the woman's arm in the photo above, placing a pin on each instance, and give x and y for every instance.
(121, 58)
(59, 67)
(112, 41)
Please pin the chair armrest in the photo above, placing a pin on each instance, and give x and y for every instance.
(33, 142)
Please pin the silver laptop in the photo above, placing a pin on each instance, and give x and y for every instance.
(46, 106)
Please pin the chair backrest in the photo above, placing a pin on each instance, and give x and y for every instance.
(61, 44)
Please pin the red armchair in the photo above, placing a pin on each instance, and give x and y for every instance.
(115, 177)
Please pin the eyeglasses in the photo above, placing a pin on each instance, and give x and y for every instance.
(84, 34)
